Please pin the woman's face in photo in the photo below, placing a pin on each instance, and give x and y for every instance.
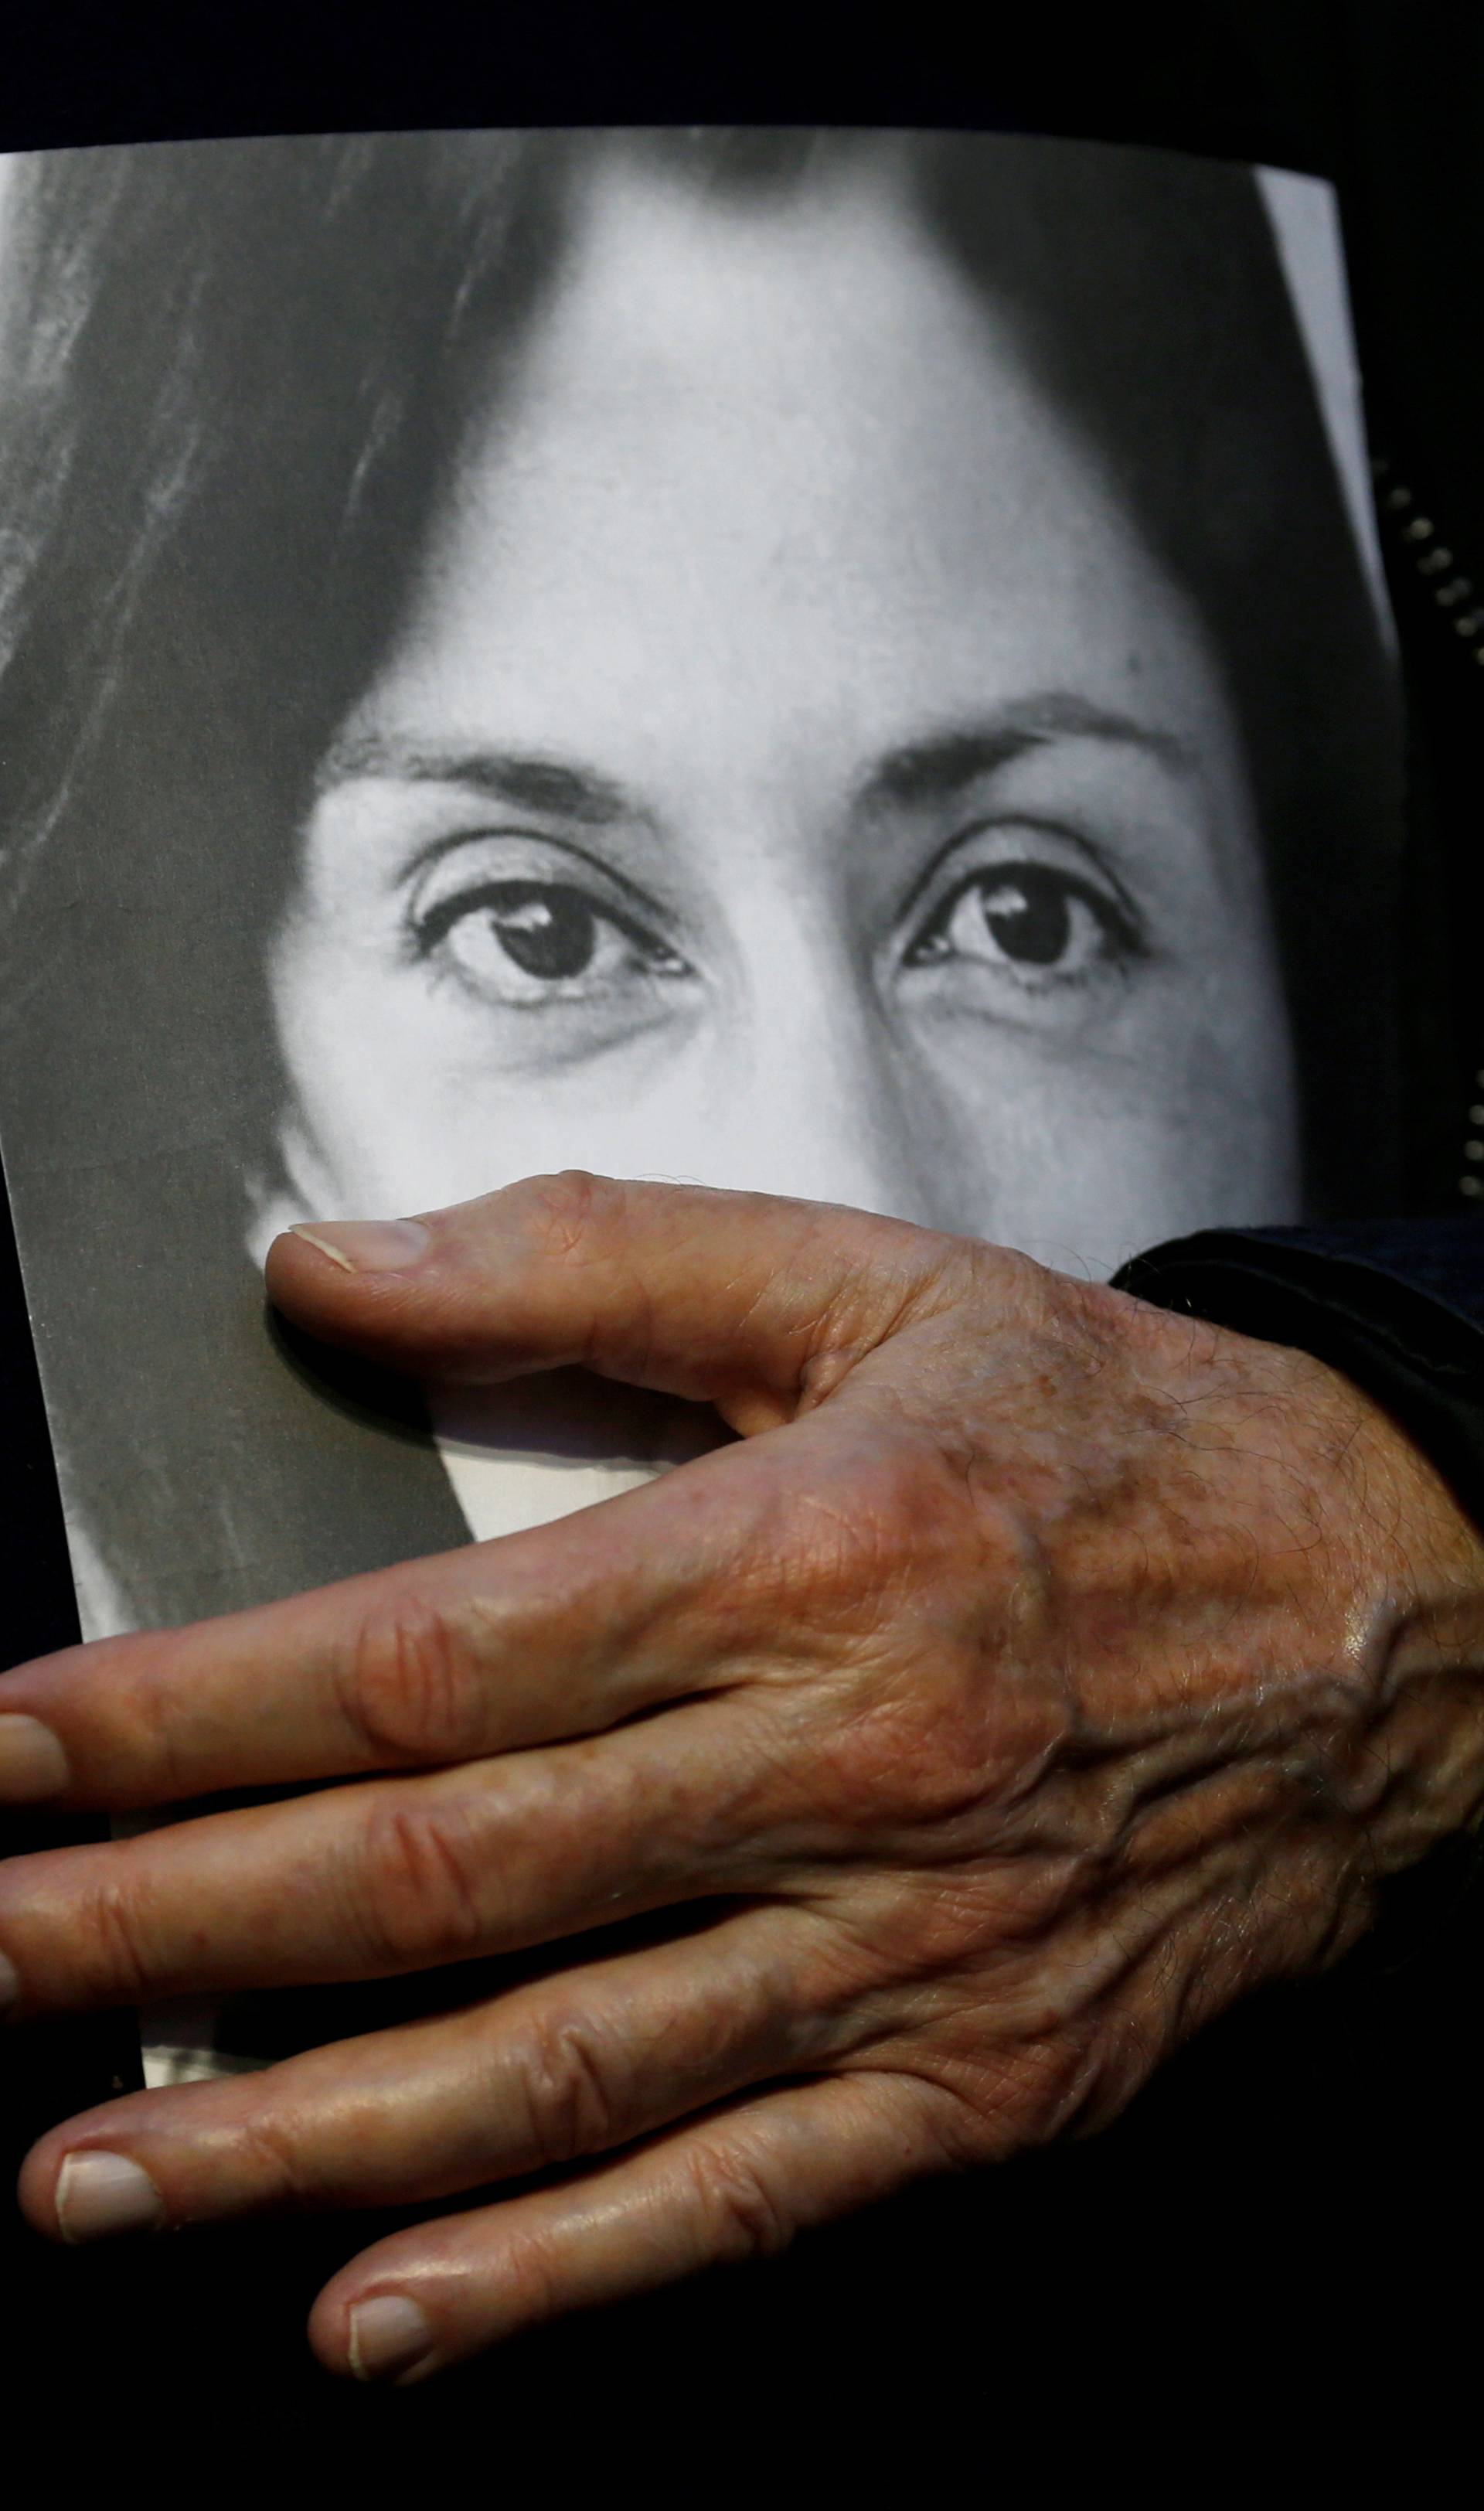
(792, 770)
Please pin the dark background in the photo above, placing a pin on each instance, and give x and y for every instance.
(1277, 2249)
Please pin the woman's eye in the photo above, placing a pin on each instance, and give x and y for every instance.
(1029, 918)
(530, 942)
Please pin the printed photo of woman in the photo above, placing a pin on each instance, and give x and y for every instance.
(834, 663)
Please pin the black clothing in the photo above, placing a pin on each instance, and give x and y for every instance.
(1279, 2214)
(1398, 1305)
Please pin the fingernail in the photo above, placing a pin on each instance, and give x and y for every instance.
(32, 1762)
(369, 1246)
(98, 2193)
(388, 2336)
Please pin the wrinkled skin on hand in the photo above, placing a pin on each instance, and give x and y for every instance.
(1036, 1673)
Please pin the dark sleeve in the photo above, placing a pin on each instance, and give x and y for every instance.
(1397, 1305)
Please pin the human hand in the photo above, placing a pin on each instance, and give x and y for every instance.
(1036, 1673)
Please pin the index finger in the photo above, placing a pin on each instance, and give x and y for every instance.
(756, 1303)
(532, 1638)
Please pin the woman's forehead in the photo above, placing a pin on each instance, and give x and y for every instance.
(771, 465)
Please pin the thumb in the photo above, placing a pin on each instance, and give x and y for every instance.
(749, 1302)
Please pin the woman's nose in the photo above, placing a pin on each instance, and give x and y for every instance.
(812, 1094)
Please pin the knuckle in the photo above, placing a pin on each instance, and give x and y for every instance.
(740, 2215)
(1030, 2094)
(894, 1523)
(138, 1676)
(417, 1896)
(957, 2121)
(1020, 1288)
(905, 1761)
(924, 1747)
(111, 1930)
(409, 1686)
(567, 2075)
(565, 1213)
(282, 2174)
(991, 2089)
(575, 1224)
(532, 2281)
(907, 1603)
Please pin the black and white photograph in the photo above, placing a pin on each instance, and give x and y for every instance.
(848, 665)
(742, 1247)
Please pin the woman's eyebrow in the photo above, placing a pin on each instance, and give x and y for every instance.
(936, 769)
(521, 780)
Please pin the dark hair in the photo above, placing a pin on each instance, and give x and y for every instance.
(241, 372)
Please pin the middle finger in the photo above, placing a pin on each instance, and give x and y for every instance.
(563, 1630)
(389, 1875)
